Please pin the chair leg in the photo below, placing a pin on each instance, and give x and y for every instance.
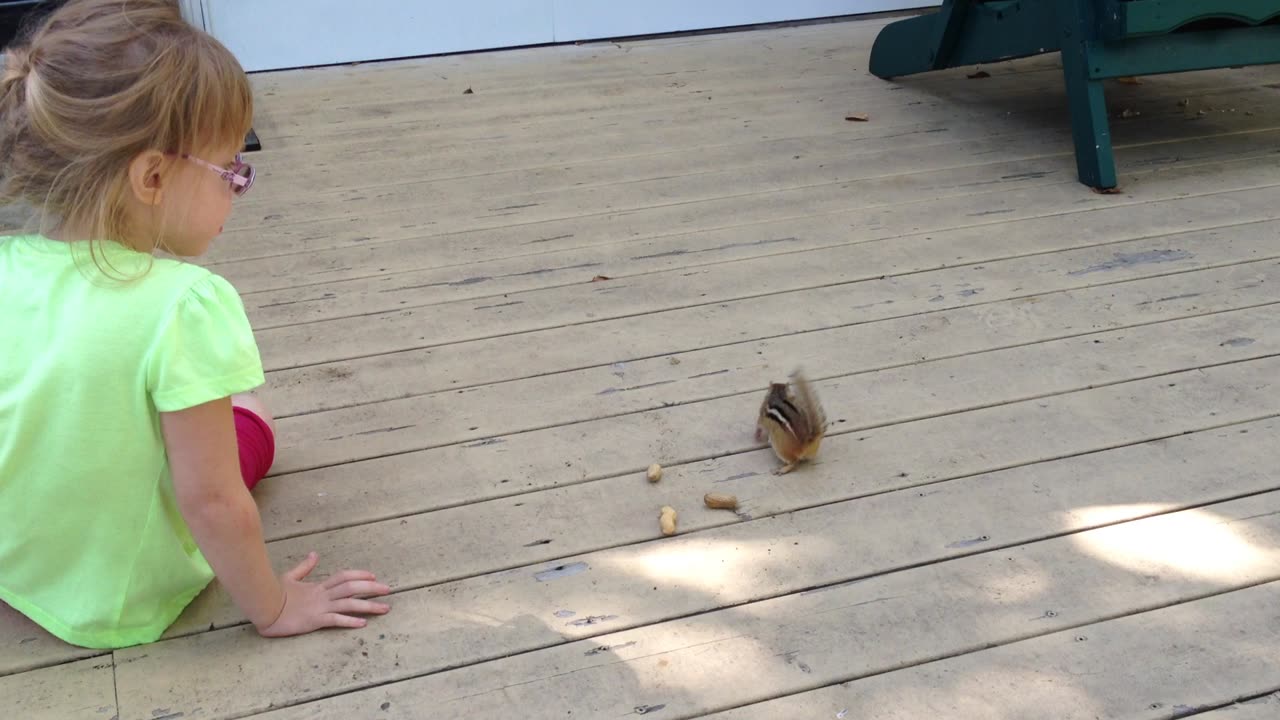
(946, 30)
(902, 47)
(1090, 128)
(966, 32)
(921, 43)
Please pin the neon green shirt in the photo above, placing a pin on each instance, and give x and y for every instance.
(92, 544)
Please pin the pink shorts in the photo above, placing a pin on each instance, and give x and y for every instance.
(257, 446)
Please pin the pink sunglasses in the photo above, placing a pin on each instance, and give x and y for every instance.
(240, 175)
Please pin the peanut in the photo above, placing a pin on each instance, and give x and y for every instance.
(668, 520)
(722, 501)
(655, 473)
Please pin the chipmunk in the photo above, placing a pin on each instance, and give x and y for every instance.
(795, 423)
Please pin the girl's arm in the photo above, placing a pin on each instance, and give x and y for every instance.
(224, 521)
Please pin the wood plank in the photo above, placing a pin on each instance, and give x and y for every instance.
(735, 469)
(395, 486)
(891, 297)
(1007, 103)
(729, 657)
(816, 183)
(567, 65)
(828, 85)
(504, 613)
(785, 194)
(1162, 16)
(652, 182)
(436, 185)
(649, 236)
(1082, 673)
(818, 107)
(663, 297)
(813, 182)
(395, 544)
(425, 422)
(646, 237)
(918, 393)
(27, 646)
(342, 384)
(408, 288)
(83, 690)
(478, 153)
(387, 113)
(670, 102)
(1262, 708)
(437, 83)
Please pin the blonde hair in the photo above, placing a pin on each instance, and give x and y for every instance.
(96, 83)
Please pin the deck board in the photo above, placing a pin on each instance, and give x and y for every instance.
(1259, 708)
(493, 615)
(83, 690)
(762, 109)
(324, 498)
(410, 530)
(827, 635)
(642, 234)
(727, 198)
(1033, 389)
(756, 102)
(1083, 673)
(651, 298)
(440, 271)
(399, 426)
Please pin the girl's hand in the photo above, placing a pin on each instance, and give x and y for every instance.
(311, 606)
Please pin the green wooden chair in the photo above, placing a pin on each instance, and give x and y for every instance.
(1098, 39)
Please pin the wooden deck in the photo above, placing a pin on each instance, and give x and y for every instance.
(1050, 491)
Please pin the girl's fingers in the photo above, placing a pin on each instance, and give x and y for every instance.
(362, 607)
(304, 568)
(358, 588)
(347, 576)
(346, 621)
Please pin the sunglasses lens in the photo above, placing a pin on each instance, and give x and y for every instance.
(246, 172)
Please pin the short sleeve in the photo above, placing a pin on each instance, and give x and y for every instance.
(205, 349)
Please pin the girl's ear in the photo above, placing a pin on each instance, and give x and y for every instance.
(145, 180)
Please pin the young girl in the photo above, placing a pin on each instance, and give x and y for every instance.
(122, 374)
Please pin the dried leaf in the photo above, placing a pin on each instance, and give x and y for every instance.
(599, 278)
(1107, 191)
(858, 117)
(979, 75)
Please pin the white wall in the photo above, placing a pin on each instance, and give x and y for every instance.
(273, 34)
(579, 19)
(192, 12)
(270, 34)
